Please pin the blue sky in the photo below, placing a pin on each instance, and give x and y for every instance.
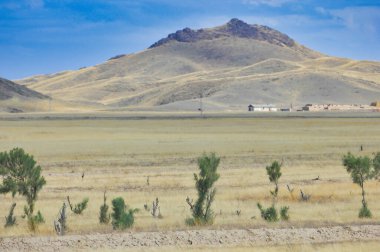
(47, 36)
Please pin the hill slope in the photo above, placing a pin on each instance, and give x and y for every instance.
(9, 89)
(230, 66)
(14, 97)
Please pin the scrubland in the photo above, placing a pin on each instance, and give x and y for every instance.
(119, 155)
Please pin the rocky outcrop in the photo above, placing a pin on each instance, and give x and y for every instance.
(234, 28)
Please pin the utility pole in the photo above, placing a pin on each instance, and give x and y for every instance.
(201, 104)
(50, 103)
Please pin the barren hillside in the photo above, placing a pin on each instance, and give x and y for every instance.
(13, 97)
(230, 66)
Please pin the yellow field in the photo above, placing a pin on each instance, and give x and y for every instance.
(119, 155)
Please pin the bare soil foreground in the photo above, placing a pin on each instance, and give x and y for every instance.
(194, 238)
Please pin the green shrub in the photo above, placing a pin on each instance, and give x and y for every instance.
(365, 212)
(284, 213)
(33, 220)
(38, 218)
(362, 169)
(268, 214)
(204, 181)
(80, 207)
(104, 216)
(21, 175)
(120, 218)
(274, 174)
(10, 220)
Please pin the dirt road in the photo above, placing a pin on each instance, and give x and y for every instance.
(189, 238)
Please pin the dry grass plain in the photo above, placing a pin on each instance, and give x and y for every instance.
(119, 155)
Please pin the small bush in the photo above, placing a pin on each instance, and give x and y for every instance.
(80, 207)
(268, 214)
(34, 220)
(120, 218)
(10, 220)
(104, 216)
(38, 218)
(365, 212)
(284, 213)
(204, 181)
(190, 222)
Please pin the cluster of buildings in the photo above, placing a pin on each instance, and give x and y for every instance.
(375, 106)
(342, 107)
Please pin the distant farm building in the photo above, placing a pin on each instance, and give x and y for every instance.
(338, 107)
(262, 108)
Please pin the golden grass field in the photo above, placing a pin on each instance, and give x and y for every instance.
(119, 155)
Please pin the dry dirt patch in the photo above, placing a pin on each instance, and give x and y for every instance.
(194, 238)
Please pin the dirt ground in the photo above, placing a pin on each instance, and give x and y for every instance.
(194, 238)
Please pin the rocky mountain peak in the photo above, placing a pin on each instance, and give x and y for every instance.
(234, 28)
(236, 25)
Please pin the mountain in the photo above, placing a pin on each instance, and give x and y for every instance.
(230, 66)
(12, 94)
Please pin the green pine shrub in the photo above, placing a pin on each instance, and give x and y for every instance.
(21, 175)
(80, 207)
(269, 214)
(204, 181)
(121, 218)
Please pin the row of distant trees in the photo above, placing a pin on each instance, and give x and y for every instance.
(21, 175)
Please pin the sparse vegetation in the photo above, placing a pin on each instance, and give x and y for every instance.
(284, 213)
(122, 219)
(243, 175)
(274, 174)
(304, 196)
(21, 175)
(10, 220)
(80, 207)
(60, 223)
(362, 169)
(104, 216)
(156, 211)
(38, 218)
(270, 214)
(204, 181)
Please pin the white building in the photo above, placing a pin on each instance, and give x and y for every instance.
(262, 108)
